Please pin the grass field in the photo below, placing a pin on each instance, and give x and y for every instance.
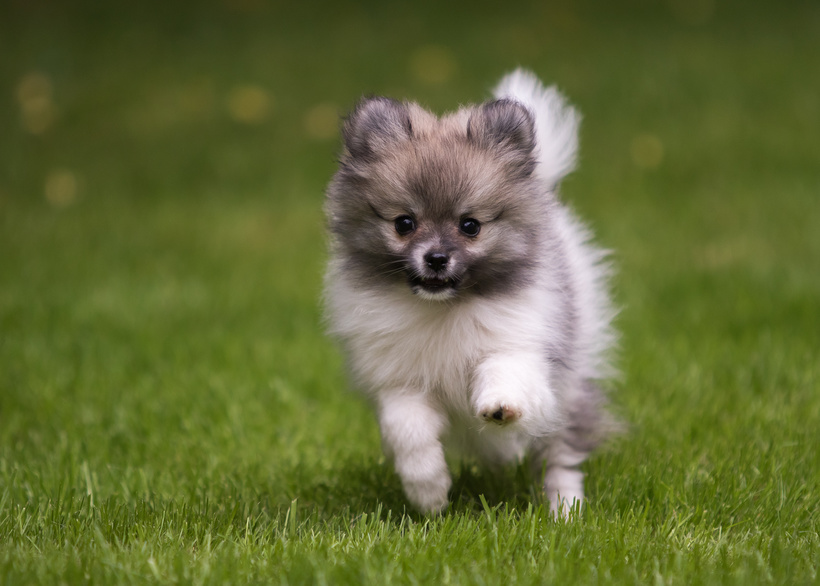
(170, 410)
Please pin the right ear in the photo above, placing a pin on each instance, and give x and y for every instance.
(503, 123)
(374, 125)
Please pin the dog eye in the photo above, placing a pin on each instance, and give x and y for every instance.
(469, 227)
(405, 225)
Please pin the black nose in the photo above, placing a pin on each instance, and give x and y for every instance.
(436, 260)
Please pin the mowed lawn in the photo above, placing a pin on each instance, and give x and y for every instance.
(170, 409)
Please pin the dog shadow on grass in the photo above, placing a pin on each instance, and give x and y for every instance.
(359, 487)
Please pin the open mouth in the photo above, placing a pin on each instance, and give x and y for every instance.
(433, 284)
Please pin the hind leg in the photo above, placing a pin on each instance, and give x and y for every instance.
(564, 480)
(587, 426)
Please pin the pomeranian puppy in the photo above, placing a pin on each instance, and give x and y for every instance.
(471, 305)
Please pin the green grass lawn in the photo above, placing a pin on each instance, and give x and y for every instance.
(170, 410)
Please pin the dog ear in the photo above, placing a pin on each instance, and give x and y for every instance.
(504, 123)
(374, 125)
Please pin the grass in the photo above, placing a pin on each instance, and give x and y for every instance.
(170, 410)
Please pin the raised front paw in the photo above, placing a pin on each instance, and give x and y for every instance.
(499, 413)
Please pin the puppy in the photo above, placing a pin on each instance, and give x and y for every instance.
(471, 305)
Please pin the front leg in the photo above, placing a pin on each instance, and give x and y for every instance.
(411, 429)
(514, 388)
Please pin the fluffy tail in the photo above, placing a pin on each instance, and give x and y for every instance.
(556, 123)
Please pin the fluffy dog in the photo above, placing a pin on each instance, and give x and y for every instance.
(471, 305)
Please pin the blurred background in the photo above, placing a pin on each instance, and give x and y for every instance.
(241, 98)
(162, 167)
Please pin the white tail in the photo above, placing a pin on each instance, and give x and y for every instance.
(556, 123)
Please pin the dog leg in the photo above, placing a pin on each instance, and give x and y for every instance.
(564, 481)
(514, 389)
(588, 424)
(411, 428)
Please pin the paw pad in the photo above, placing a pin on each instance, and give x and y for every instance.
(500, 414)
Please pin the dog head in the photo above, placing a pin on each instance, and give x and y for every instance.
(446, 207)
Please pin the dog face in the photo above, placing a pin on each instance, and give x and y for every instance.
(444, 207)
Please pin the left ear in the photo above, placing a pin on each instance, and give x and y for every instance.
(502, 123)
(374, 125)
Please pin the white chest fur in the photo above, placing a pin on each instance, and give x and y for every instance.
(397, 340)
